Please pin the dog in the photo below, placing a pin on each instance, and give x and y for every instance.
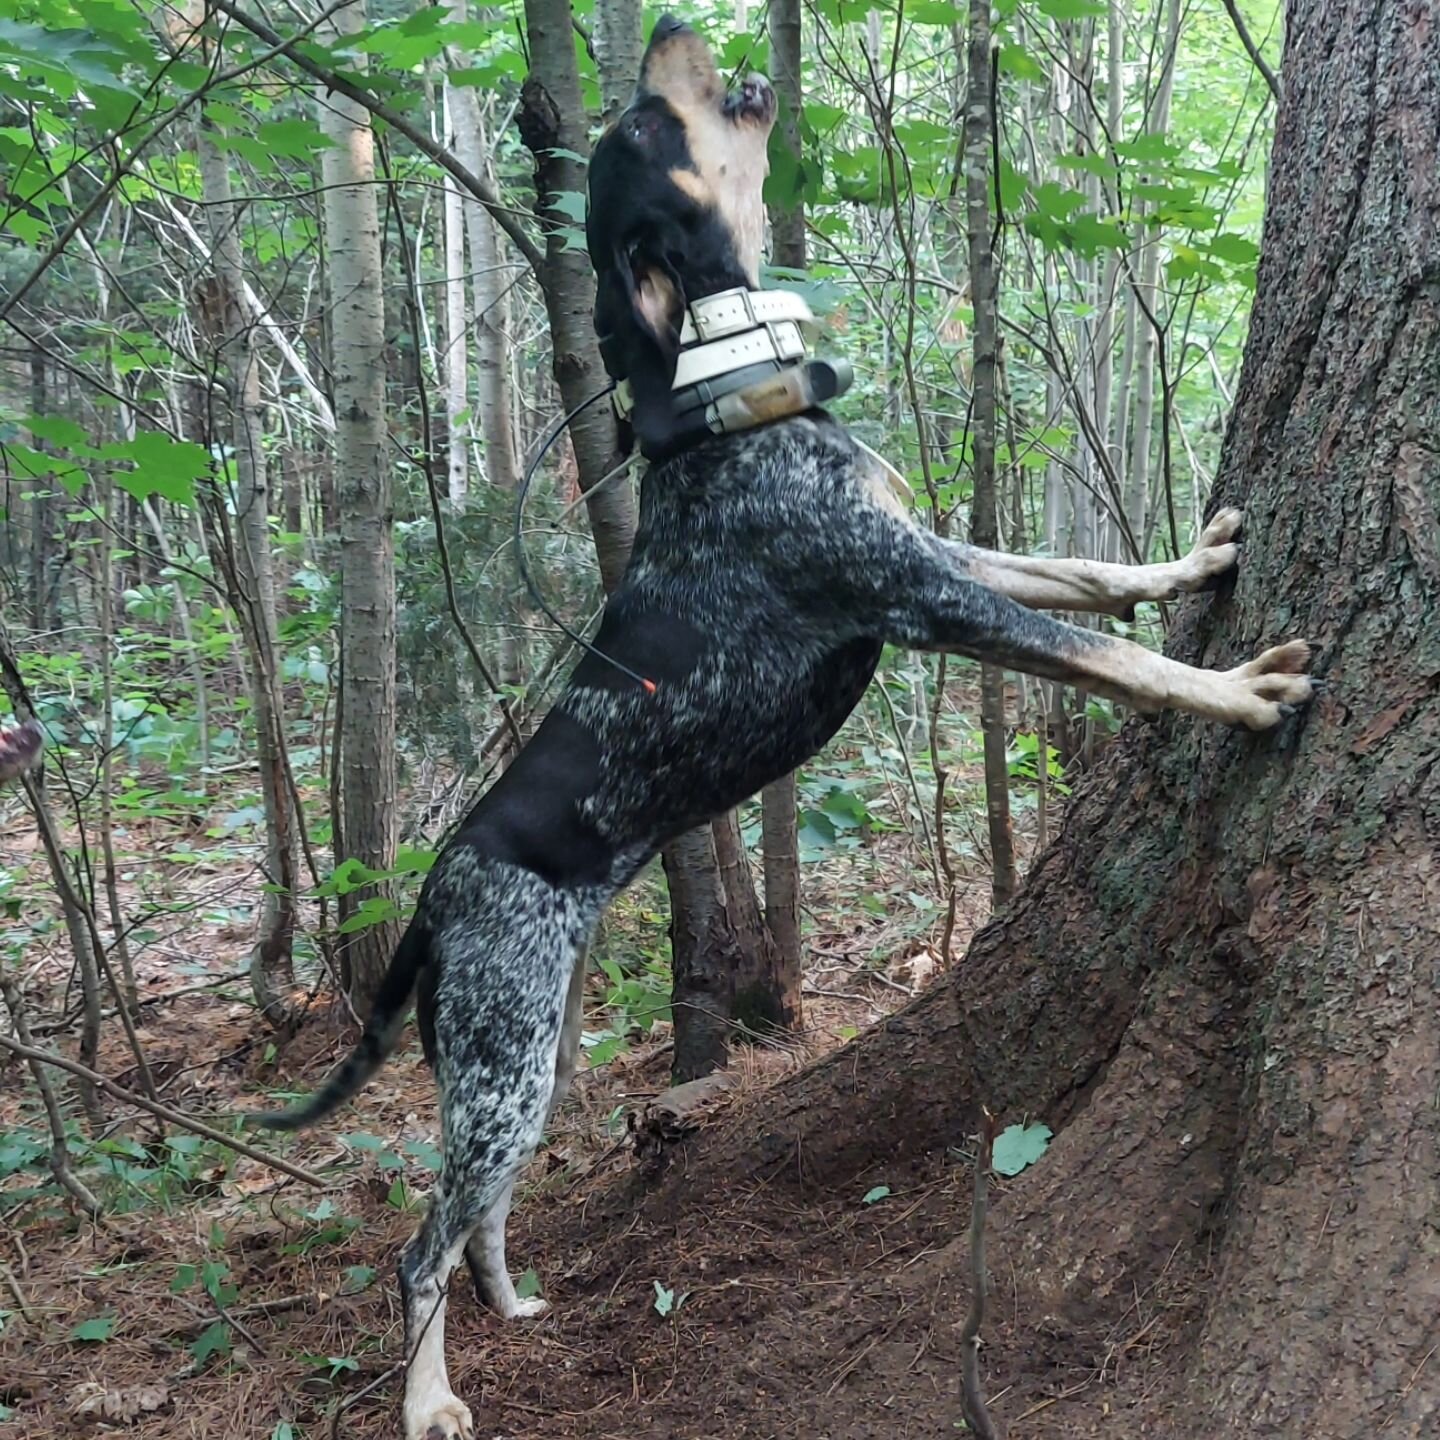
(20, 748)
(770, 567)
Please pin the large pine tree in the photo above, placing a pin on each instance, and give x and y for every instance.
(1220, 985)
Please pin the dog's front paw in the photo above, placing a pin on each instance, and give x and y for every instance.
(531, 1308)
(1214, 554)
(443, 1418)
(1271, 686)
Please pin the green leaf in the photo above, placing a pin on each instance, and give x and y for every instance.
(1018, 1147)
(1013, 185)
(213, 1274)
(56, 429)
(570, 204)
(1056, 201)
(934, 12)
(164, 467)
(299, 138)
(426, 1153)
(215, 1340)
(359, 1277)
(95, 1331)
(362, 1140)
(872, 1197)
(1016, 60)
(1236, 249)
(1090, 163)
(1071, 9)
(664, 1300)
(921, 132)
(528, 1285)
(376, 910)
(184, 1277)
(1148, 147)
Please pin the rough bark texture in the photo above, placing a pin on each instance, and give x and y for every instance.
(618, 48)
(1220, 986)
(554, 126)
(365, 828)
(703, 955)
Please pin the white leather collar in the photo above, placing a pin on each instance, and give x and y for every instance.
(731, 331)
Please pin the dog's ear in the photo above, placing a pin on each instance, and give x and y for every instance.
(639, 312)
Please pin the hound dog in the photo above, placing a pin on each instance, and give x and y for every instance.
(20, 748)
(769, 569)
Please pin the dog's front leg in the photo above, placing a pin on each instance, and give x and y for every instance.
(932, 607)
(1094, 586)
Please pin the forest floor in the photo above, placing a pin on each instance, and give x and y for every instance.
(222, 1299)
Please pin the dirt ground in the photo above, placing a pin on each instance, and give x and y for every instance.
(785, 1310)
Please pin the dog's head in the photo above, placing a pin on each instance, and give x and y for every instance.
(675, 210)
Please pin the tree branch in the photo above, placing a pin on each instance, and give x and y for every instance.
(60, 1166)
(972, 1396)
(1251, 48)
(123, 167)
(163, 1112)
(475, 184)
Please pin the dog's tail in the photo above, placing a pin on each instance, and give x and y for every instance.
(382, 1031)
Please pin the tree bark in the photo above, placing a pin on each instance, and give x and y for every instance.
(555, 128)
(491, 282)
(365, 752)
(984, 512)
(1219, 987)
(42, 515)
(775, 991)
(251, 582)
(618, 48)
(706, 950)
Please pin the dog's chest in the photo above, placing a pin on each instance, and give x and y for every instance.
(747, 716)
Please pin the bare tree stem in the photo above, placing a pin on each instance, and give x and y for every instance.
(163, 1112)
(972, 1396)
(1251, 48)
(59, 1147)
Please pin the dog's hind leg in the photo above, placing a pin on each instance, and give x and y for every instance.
(490, 1132)
(506, 956)
(567, 1053)
(485, 1253)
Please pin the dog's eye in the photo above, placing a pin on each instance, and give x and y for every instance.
(643, 128)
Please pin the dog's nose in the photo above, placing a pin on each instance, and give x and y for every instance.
(666, 26)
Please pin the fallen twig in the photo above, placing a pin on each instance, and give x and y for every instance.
(972, 1397)
(163, 1112)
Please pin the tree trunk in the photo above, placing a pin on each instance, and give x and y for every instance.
(495, 404)
(554, 127)
(618, 48)
(1219, 987)
(252, 587)
(42, 515)
(457, 336)
(365, 749)
(984, 513)
(1146, 289)
(779, 972)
